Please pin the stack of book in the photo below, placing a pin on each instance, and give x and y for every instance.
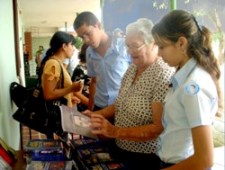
(91, 154)
(7, 156)
(46, 154)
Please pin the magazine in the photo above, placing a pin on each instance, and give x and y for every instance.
(75, 122)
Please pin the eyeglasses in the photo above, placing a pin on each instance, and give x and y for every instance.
(135, 49)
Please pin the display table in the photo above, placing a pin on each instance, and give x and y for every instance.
(84, 154)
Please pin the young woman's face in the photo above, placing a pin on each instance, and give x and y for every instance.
(69, 49)
(172, 53)
(90, 35)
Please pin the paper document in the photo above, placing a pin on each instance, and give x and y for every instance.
(75, 122)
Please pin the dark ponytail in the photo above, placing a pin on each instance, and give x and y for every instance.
(58, 39)
(179, 23)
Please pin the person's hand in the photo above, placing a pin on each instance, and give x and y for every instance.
(101, 126)
(75, 100)
(87, 113)
(77, 86)
(82, 85)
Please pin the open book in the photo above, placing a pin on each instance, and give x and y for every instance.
(75, 122)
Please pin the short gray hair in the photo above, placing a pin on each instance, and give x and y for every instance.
(142, 27)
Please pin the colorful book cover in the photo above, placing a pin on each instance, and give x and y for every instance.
(85, 141)
(36, 165)
(48, 155)
(59, 165)
(44, 150)
(50, 165)
(42, 144)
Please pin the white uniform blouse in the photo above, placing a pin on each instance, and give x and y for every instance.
(192, 101)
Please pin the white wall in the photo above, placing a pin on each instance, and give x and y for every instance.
(9, 128)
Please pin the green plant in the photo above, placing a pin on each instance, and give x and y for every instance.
(78, 42)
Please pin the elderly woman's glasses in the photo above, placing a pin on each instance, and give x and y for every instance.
(135, 49)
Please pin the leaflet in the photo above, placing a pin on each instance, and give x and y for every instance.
(75, 122)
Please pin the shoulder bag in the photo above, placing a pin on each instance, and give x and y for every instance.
(36, 112)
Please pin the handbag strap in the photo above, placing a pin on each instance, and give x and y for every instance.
(61, 76)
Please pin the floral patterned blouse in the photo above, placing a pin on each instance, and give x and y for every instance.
(133, 105)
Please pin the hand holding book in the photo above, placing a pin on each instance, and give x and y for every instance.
(75, 122)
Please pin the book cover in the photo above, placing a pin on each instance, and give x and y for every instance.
(108, 166)
(42, 144)
(75, 122)
(44, 150)
(59, 165)
(50, 165)
(82, 142)
(36, 165)
(48, 155)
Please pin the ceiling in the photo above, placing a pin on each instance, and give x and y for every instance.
(44, 17)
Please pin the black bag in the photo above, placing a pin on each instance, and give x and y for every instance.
(19, 94)
(35, 112)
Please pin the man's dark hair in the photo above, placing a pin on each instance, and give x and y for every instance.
(87, 18)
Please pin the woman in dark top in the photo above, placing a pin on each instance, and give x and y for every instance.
(80, 73)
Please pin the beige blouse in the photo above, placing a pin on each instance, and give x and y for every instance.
(53, 70)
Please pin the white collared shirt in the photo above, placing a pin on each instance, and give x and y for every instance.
(191, 102)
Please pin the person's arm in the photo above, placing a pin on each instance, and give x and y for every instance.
(38, 60)
(202, 159)
(84, 100)
(108, 112)
(51, 92)
(92, 89)
(101, 126)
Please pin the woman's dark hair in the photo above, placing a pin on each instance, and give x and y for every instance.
(179, 23)
(82, 54)
(58, 39)
(83, 18)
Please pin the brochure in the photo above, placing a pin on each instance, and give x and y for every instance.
(75, 122)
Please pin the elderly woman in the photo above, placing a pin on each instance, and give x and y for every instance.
(138, 108)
